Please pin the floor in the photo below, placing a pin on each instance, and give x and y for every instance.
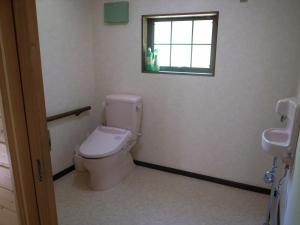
(151, 197)
(3, 155)
(8, 214)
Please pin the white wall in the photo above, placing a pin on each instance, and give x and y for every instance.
(66, 40)
(290, 198)
(207, 125)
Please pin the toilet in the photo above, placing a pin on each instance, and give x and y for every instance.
(105, 154)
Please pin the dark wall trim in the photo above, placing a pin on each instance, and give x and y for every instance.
(205, 177)
(64, 172)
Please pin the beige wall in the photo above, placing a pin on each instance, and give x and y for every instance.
(66, 39)
(207, 125)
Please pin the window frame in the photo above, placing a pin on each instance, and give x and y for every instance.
(148, 40)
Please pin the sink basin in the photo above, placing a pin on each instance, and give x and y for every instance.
(276, 141)
(282, 142)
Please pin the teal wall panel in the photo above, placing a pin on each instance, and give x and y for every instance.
(116, 12)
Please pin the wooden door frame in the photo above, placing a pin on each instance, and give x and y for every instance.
(15, 121)
(25, 115)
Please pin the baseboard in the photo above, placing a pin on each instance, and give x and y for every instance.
(205, 177)
(63, 173)
(184, 173)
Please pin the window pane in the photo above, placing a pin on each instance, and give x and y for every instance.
(163, 55)
(182, 32)
(162, 32)
(201, 56)
(202, 31)
(181, 55)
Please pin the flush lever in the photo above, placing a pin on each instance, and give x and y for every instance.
(283, 118)
(138, 108)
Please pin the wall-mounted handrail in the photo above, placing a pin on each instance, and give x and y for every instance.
(75, 112)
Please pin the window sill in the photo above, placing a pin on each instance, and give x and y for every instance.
(180, 73)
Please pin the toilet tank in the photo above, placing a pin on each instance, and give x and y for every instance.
(124, 111)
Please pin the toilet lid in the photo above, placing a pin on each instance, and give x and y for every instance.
(104, 141)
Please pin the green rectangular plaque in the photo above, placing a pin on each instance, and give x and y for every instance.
(116, 12)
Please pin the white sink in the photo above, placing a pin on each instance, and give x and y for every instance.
(276, 141)
(282, 142)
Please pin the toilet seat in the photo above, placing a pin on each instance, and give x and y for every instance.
(104, 141)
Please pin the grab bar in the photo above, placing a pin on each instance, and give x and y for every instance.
(75, 112)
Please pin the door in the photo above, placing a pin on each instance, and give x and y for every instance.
(24, 112)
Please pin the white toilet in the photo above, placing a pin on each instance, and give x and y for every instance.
(106, 151)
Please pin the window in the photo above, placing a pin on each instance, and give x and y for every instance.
(180, 44)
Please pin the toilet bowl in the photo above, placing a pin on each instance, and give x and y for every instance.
(105, 154)
(106, 151)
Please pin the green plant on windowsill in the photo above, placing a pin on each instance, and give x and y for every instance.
(151, 60)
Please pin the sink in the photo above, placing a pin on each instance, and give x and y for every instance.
(282, 142)
(276, 141)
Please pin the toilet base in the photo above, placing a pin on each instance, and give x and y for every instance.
(109, 171)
